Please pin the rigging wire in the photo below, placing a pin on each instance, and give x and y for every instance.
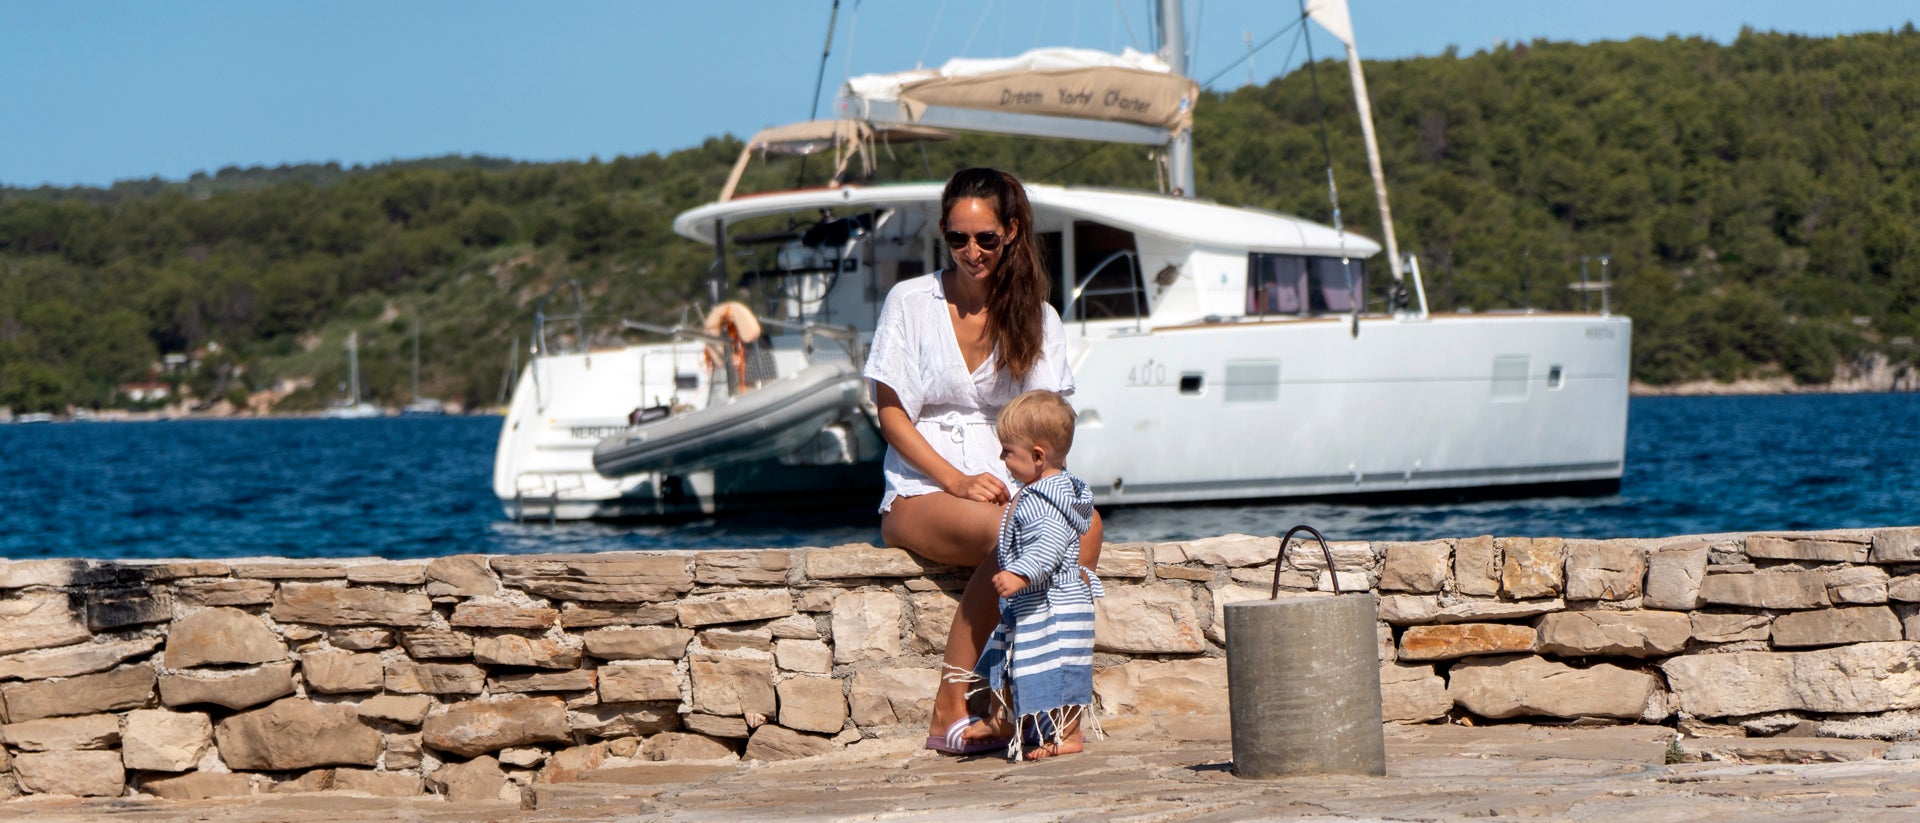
(1256, 49)
(1124, 20)
(853, 28)
(984, 11)
(819, 79)
(1333, 191)
(1193, 45)
(937, 15)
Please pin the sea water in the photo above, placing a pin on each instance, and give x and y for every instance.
(421, 487)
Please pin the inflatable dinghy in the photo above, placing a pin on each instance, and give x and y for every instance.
(775, 419)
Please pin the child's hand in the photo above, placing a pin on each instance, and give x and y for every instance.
(1008, 584)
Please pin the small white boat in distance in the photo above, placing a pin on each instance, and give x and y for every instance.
(1220, 353)
(353, 408)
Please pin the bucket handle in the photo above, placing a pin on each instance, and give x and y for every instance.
(1332, 574)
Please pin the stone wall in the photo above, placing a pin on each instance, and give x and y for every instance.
(473, 676)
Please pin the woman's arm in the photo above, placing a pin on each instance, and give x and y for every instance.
(898, 430)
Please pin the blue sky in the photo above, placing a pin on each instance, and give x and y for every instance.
(102, 91)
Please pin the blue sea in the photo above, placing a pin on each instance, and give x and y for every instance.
(420, 487)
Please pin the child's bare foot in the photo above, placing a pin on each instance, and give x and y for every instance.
(1071, 745)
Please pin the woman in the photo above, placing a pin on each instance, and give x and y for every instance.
(950, 349)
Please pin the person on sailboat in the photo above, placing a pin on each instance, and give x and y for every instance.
(950, 349)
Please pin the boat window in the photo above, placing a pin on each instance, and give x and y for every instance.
(1106, 273)
(1251, 381)
(1301, 285)
(1554, 378)
(1053, 251)
(1192, 382)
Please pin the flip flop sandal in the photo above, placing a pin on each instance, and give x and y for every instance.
(953, 743)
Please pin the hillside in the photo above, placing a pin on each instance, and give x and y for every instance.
(1757, 200)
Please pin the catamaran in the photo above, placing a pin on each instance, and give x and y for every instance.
(1220, 353)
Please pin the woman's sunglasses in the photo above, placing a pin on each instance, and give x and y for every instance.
(986, 240)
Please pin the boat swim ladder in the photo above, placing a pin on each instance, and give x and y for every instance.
(1139, 287)
(538, 346)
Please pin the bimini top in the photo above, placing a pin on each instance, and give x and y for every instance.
(1196, 222)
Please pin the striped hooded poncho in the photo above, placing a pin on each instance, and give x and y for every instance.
(1039, 660)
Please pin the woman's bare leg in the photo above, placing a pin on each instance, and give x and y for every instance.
(957, 532)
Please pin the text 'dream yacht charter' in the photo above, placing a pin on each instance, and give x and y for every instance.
(1220, 353)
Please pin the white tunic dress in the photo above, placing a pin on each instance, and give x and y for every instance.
(916, 354)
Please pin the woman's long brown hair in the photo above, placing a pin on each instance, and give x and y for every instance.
(1015, 318)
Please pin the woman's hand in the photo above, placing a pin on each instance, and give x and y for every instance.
(982, 487)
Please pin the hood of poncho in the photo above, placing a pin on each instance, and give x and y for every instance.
(1071, 494)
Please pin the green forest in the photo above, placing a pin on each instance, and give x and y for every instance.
(1757, 201)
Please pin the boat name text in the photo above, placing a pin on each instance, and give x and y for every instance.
(595, 432)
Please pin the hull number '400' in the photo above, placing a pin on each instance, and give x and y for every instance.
(1149, 373)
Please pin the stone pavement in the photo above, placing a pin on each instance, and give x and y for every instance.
(1172, 768)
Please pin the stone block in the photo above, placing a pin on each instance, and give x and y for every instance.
(932, 618)
(1166, 572)
(437, 644)
(1904, 589)
(1479, 611)
(126, 688)
(476, 727)
(1826, 548)
(361, 639)
(1349, 581)
(733, 685)
(1830, 627)
(1138, 687)
(1674, 576)
(811, 656)
(533, 652)
(1408, 609)
(1416, 567)
(407, 677)
(324, 605)
(742, 568)
(1895, 546)
(1348, 555)
(1152, 619)
(88, 731)
(198, 785)
(1412, 694)
(1766, 590)
(686, 746)
(476, 780)
(1860, 678)
(815, 601)
(591, 615)
(111, 609)
(770, 742)
(630, 681)
(1123, 561)
(570, 765)
(407, 710)
(1857, 585)
(53, 572)
(40, 620)
(222, 687)
(734, 606)
(795, 627)
(226, 592)
(341, 673)
(717, 726)
(402, 751)
(78, 774)
(611, 577)
(812, 704)
(1716, 627)
(461, 575)
(1476, 566)
(1217, 630)
(1449, 642)
(293, 733)
(377, 784)
(643, 643)
(1532, 567)
(616, 720)
(1231, 550)
(500, 616)
(1614, 634)
(890, 697)
(724, 639)
(866, 626)
(278, 568)
(1605, 569)
(82, 658)
(859, 561)
(388, 573)
(572, 680)
(1519, 686)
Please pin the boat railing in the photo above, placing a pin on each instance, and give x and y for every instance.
(1586, 287)
(1076, 309)
(847, 336)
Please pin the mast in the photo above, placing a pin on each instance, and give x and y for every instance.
(353, 368)
(416, 359)
(1332, 15)
(1173, 49)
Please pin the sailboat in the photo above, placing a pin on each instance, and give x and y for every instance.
(1220, 353)
(353, 408)
(420, 406)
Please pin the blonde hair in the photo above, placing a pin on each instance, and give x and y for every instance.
(1040, 416)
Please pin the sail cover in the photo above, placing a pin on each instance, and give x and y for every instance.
(1074, 93)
